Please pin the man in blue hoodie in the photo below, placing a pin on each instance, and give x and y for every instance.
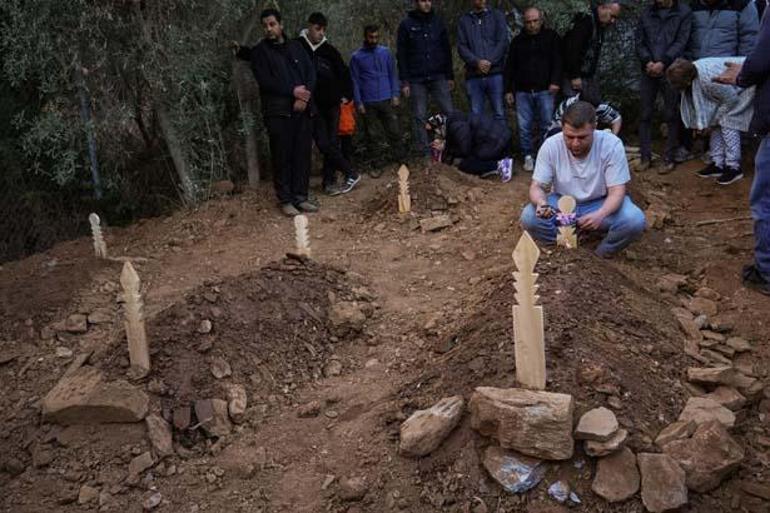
(425, 65)
(375, 90)
(482, 38)
(756, 72)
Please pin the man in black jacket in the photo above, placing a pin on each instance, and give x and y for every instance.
(333, 85)
(661, 37)
(583, 44)
(424, 65)
(286, 79)
(532, 77)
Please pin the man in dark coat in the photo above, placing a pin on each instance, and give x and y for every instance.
(424, 65)
(583, 45)
(532, 77)
(286, 79)
(333, 85)
(661, 37)
(756, 72)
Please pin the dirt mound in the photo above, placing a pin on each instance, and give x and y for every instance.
(268, 330)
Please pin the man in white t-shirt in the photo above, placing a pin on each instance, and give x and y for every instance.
(591, 166)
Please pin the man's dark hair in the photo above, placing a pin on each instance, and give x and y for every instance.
(369, 29)
(270, 12)
(318, 18)
(579, 114)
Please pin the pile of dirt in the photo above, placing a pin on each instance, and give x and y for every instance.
(268, 330)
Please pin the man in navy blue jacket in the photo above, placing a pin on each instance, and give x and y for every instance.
(482, 38)
(375, 90)
(424, 65)
(756, 72)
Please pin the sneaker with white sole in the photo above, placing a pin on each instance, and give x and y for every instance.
(349, 183)
(710, 171)
(730, 175)
(529, 164)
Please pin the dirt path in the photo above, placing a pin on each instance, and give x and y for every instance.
(425, 286)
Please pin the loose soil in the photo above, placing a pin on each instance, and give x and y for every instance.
(438, 323)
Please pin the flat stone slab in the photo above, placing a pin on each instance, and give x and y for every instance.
(84, 397)
(614, 444)
(702, 409)
(515, 472)
(663, 482)
(423, 432)
(599, 424)
(617, 477)
(675, 431)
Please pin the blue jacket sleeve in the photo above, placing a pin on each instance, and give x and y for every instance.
(748, 25)
(756, 67)
(463, 47)
(501, 45)
(355, 76)
(392, 76)
(402, 42)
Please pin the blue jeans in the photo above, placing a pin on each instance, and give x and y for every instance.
(622, 227)
(759, 200)
(531, 106)
(439, 90)
(486, 87)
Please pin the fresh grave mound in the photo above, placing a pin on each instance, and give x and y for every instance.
(608, 342)
(270, 331)
(434, 188)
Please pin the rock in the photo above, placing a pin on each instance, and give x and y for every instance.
(722, 375)
(559, 491)
(702, 322)
(424, 430)
(725, 350)
(676, 431)
(346, 317)
(159, 433)
(101, 316)
(515, 472)
(703, 306)
(689, 328)
(599, 424)
(617, 477)
(220, 368)
(13, 466)
(701, 410)
(535, 423)
(140, 463)
(740, 345)
(728, 397)
(598, 449)
(671, 283)
(708, 457)
(333, 368)
(151, 501)
(76, 324)
(663, 482)
(84, 398)
(761, 490)
(353, 488)
(213, 416)
(87, 494)
(204, 327)
(311, 409)
(713, 335)
(744, 363)
(715, 357)
(708, 293)
(435, 223)
(236, 402)
(63, 352)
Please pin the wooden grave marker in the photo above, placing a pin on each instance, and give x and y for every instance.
(404, 199)
(567, 236)
(529, 337)
(301, 235)
(138, 352)
(100, 247)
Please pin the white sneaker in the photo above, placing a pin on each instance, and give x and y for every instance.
(529, 164)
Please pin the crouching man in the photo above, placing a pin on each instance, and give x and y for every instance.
(591, 166)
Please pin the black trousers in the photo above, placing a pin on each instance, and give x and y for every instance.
(325, 126)
(649, 88)
(291, 140)
(386, 114)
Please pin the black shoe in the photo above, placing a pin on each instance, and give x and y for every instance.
(682, 154)
(710, 171)
(753, 280)
(331, 189)
(730, 175)
(350, 182)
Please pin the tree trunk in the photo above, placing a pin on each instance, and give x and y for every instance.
(177, 154)
(247, 106)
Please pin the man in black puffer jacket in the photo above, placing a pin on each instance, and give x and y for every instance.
(424, 65)
(286, 79)
(333, 86)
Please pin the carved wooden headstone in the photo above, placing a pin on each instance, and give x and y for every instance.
(301, 235)
(100, 247)
(404, 199)
(138, 352)
(566, 221)
(529, 338)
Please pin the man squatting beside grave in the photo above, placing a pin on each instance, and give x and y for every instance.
(589, 165)
(286, 79)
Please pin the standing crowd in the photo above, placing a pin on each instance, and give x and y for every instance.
(309, 94)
